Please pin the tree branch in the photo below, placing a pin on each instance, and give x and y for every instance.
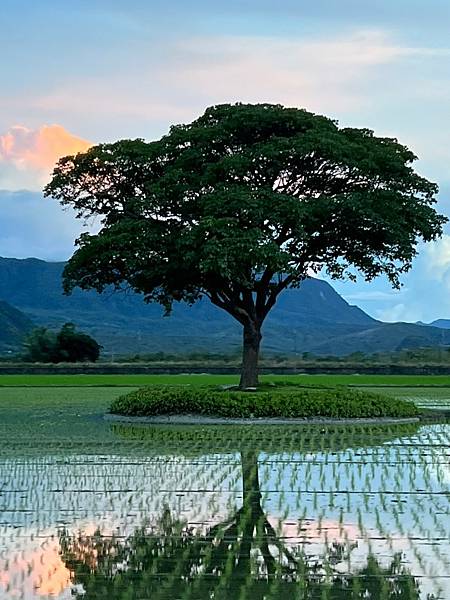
(231, 308)
(282, 285)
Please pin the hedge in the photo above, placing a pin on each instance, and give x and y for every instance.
(301, 402)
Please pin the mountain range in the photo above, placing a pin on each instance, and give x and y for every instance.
(14, 326)
(313, 318)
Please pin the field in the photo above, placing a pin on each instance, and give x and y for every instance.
(93, 510)
(203, 379)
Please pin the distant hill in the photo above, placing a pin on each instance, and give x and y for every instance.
(385, 337)
(313, 318)
(14, 326)
(441, 323)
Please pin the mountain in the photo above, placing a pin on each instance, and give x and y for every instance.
(384, 337)
(441, 323)
(14, 325)
(313, 318)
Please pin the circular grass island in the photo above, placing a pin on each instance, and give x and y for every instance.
(267, 404)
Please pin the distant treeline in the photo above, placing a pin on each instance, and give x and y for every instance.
(439, 355)
(417, 361)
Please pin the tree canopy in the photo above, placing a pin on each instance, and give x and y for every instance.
(242, 203)
(66, 345)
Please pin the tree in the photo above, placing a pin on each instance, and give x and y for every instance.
(75, 346)
(66, 345)
(41, 346)
(241, 204)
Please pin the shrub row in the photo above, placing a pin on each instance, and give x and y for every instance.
(335, 403)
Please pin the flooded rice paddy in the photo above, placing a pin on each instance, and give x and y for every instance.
(92, 509)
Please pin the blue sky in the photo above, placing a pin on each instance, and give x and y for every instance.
(99, 70)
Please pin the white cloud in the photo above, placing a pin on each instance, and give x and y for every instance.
(374, 295)
(365, 77)
(398, 312)
(323, 74)
(312, 73)
(425, 295)
(437, 257)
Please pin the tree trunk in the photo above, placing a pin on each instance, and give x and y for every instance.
(249, 515)
(250, 356)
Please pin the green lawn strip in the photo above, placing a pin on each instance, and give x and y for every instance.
(282, 403)
(203, 380)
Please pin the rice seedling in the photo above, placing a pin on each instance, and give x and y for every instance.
(89, 507)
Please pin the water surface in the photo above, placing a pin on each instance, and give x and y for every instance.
(90, 509)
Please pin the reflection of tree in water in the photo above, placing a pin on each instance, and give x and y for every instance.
(241, 557)
(171, 562)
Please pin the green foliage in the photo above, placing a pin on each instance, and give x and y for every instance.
(243, 191)
(75, 346)
(313, 402)
(41, 346)
(66, 345)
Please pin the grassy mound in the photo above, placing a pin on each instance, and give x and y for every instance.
(300, 402)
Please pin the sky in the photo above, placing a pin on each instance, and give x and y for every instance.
(90, 71)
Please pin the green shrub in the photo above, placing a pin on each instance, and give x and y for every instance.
(302, 402)
(67, 345)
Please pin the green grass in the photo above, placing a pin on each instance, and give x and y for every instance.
(96, 391)
(207, 380)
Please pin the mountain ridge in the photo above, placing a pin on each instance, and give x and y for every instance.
(14, 325)
(313, 318)
(441, 323)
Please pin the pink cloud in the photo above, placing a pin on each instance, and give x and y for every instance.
(27, 156)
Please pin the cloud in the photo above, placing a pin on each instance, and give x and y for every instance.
(425, 295)
(27, 156)
(365, 77)
(399, 312)
(374, 295)
(312, 73)
(320, 73)
(438, 257)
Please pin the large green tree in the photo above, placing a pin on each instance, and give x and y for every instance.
(241, 204)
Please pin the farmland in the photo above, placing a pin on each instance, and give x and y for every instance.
(219, 511)
(203, 379)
